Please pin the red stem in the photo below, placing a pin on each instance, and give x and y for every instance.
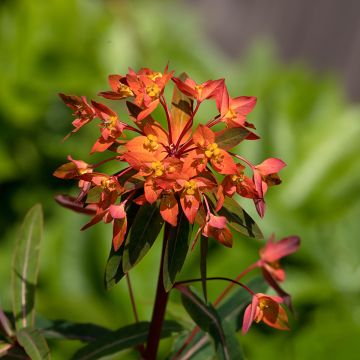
(159, 307)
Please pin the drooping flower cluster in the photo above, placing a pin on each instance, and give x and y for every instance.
(184, 168)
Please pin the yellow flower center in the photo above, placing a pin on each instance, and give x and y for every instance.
(231, 114)
(125, 90)
(108, 184)
(212, 151)
(190, 187)
(154, 75)
(157, 168)
(153, 90)
(237, 178)
(110, 123)
(150, 143)
(199, 89)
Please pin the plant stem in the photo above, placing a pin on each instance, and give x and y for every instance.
(159, 307)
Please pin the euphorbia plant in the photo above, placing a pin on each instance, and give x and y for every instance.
(181, 177)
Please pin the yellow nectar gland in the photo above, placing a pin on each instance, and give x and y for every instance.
(157, 168)
(155, 75)
(124, 90)
(212, 151)
(190, 187)
(110, 123)
(199, 89)
(108, 184)
(150, 143)
(237, 178)
(153, 90)
(231, 114)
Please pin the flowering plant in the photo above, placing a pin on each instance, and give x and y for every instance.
(182, 177)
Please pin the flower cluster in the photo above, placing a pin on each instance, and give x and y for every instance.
(177, 166)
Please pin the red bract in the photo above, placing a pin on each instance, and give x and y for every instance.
(83, 112)
(199, 92)
(273, 251)
(267, 309)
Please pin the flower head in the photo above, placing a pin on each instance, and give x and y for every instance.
(176, 167)
(265, 308)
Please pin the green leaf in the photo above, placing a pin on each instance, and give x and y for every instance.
(229, 138)
(33, 343)
(144, 231)
(26, 267)
(114, 266)
(62, 330)
(207, 318)
(238, 218)
(203, 254)
(123, 338)
(176, 250)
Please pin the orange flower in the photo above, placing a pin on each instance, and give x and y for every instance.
(265, 308)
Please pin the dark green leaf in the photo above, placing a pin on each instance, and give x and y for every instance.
(207, 318)
(124, 338)
(62, 330)
(114, 266)
(26, 267)
(238, 218)
(203, 254)
(144, 231)
(33, 343)
(229, 138)
(176, 250)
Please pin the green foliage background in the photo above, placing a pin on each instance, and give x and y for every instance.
(71, 46)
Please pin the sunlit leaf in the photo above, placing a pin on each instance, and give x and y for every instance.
(181, 110)
(33, 343)
(143, 232)
(26, 267)
(124, 338)
(176, 250)
(229, 138)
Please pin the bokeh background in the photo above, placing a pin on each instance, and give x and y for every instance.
(301, 61)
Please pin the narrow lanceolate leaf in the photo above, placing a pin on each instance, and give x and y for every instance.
(114, 266)
(176, 250)
(181, 110)
(238, 218)
(144, 231)
(207, 318)
(203, 254)
(229, 138)
(64, 330)
(25, 267)
(124, 338)
(33, 343)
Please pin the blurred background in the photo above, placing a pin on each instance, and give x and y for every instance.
(300, 59)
